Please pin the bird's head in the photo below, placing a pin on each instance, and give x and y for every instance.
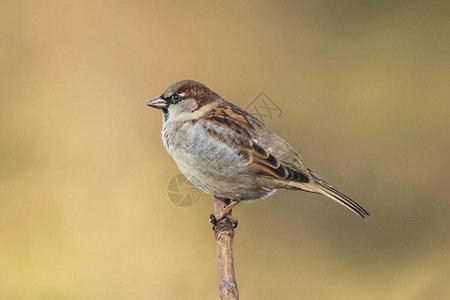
(184, 98)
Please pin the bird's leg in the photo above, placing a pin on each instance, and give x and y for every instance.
(225, 213)
(227, 210)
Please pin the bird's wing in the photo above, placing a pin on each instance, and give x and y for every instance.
(236, 128)
(233, 126)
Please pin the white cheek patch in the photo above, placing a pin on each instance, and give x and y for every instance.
(187, 112)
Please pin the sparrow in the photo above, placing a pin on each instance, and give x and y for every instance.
(227, 152)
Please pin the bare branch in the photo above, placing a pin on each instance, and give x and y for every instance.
(224, 234)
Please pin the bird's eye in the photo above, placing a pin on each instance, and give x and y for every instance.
(176, 98)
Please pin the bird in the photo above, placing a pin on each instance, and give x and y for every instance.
(229, 153)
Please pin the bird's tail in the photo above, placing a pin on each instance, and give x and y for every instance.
(323, 188)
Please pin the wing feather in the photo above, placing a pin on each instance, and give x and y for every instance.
(259, 159)
(234, 127)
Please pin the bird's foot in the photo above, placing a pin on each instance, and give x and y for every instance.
(214, 220)
(225, 213)
(233, 220)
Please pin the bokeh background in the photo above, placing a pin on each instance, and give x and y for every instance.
(365, 93)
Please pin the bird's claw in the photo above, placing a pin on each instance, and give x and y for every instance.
(233, 220)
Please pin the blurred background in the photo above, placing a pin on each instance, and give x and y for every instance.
(364, 91)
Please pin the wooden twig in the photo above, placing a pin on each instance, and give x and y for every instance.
(224, 234)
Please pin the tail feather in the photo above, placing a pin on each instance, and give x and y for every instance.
(327, 190)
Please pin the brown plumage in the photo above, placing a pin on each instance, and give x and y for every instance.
(229, 153)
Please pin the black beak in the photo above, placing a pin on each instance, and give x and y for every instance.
(158, 102)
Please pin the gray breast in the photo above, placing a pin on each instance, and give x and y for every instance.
(210, 164)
